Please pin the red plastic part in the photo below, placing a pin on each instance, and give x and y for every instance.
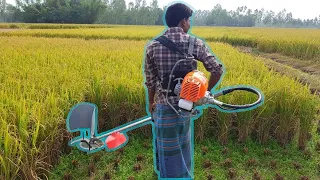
(115, 140)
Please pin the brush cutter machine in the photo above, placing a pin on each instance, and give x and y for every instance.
(192, 92)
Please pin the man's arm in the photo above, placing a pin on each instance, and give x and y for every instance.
(214, 78)
(151, 93)
(211, 64)
(150, 74)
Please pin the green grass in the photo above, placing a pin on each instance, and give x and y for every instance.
(105, 164)
(284, 157)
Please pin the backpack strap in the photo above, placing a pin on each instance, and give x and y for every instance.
(174, 48)
(192, 41)
(191, 45)
(170, 45)
(165, 86)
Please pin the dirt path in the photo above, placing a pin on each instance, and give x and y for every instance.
(310, 67)
(306, 71)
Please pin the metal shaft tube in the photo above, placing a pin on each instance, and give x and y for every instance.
(135, 124)
(126, 127)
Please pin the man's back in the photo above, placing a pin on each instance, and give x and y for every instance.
(173, 133)
(160, 60)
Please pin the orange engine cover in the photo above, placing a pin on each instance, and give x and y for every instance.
(194, 86)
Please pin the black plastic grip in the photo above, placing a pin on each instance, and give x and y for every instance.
(234, 107)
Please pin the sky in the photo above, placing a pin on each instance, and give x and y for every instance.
(300, 9)
(306, 9)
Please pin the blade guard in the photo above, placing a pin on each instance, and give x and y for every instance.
(115, 140)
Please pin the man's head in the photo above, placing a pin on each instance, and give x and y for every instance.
(178, 15)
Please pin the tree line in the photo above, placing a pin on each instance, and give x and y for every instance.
(140, 12)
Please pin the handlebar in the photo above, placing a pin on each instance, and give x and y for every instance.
(212, 100)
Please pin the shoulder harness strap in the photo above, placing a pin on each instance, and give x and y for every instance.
(191, 45)
(170, 45)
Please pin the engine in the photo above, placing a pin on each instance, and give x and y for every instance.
(193, 88)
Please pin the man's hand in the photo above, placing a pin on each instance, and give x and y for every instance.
(152, 104)
(151, 107)
(214, 78)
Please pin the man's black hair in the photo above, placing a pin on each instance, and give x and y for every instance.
(176, 12)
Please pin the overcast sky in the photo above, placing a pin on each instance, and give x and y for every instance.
(300, 9)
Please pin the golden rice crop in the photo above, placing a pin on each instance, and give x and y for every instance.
(125, 33)
(298, 43)
(52, 26)
(42, 78)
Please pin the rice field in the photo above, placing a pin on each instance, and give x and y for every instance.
(298, 43)
(51, 26)
(44, 72)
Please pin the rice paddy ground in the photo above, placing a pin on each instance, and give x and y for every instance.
(250, 160)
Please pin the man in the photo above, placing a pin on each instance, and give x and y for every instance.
(173, 133)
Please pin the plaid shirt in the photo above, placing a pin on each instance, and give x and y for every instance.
(159, 61)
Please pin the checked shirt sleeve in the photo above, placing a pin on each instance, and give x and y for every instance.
(150, 69)
(208, 59)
